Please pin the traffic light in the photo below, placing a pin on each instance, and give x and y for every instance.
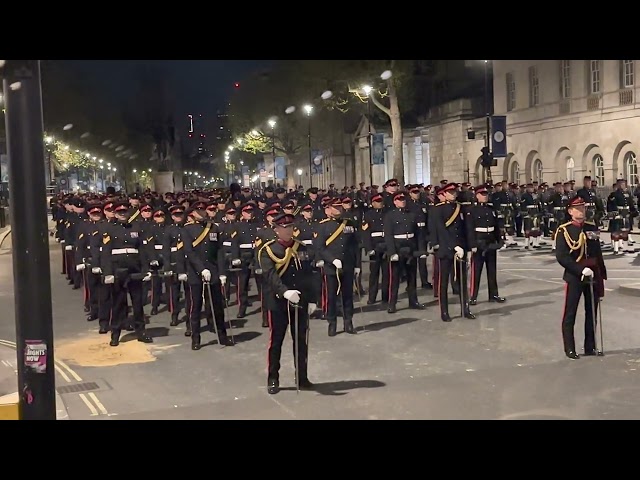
(487, 158)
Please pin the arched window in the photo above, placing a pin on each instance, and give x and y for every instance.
(537, 171)
(632, 169)
(598, 169)
(571, 166)
(515, 172)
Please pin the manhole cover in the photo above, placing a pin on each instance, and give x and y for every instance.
(78, 387)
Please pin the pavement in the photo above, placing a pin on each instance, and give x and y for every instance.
(506, 364)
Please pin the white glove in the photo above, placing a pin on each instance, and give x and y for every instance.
(109, 279)
(311, 308)
(423, 256)
(459, 252)
(394, 258)
(356, 271)
(147, 277)
(474, 249)
(587, 272)
(223, 279)
(58, 240)
(80, 267)
(292, 295)
(154, 263)
(68, 247)
(320, 263)
(372, 253)
(169, 273)
(206, 275)
(182, 277)
(258, 271)
(236, 262)
(96, 270)
(337, 263)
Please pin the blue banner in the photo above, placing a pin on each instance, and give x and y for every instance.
(260, 167)
(279, 168)
(317, 162)
(377, 149)
(499, 136)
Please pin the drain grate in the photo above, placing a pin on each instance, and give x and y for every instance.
(78, 387)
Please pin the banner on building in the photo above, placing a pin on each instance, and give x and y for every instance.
(377, 149)
(279, 169)
(317, 162)
(260, 167)
(499, 136)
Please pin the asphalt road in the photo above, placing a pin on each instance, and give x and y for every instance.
(506, 364)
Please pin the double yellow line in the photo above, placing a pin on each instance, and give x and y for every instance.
(66, 372)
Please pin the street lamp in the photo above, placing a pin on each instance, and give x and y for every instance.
(367, 91)
(299, 171)
(272, 124)
(308, 109)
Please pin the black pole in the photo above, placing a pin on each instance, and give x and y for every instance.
(31, 271)
(487, 112)
(310, 159)
(370, 142)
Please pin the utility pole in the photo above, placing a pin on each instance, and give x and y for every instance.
(487, 148)
(29, 230)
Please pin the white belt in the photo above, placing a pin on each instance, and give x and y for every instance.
(63, 241)
(123, 251)
(158, 247)
(377, 234)
(174, 249)
(558, 208)
(484, 229)
(226, 244)
(421, 224)
(68, 247)
(404, 235)
(308, 242)
(246, 245)
(532, 206)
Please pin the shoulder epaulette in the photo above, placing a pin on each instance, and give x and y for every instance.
(438, 204)
(325, 220)
(564, 225)
(190, 222)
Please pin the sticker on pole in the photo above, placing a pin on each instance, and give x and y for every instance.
(35, 355)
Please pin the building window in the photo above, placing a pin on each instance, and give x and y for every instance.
(594, 76)
(537, 171)
(571, 169)
(515, 172)
(627, 74)
(565, 78)
(534, 86)
(598, 169)
(632, 169)
(511, 92)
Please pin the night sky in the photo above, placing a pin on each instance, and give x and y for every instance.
(195, 84)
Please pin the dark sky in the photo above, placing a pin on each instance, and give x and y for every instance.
(196, 84)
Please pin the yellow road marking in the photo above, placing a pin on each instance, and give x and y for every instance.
(98, 403)
(91, 408)
(62, 374)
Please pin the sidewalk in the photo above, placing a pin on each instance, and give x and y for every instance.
(9, 384)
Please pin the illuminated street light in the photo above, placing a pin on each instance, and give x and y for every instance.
(254, 133)
(48, 139)
(150, 170)
(135, 171)
(299, 171)
(386, 75)
(272, 123)
(308, 109)
(367, 89)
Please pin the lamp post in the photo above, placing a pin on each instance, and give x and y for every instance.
(367, 91)
(487, 109)
(308, 109)
(299, 176)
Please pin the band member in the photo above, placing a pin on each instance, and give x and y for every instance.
(243, 235)
(557, 208)
(449, 245)
(531, 211)
(578, 251)
(417, 205)
(154, 236)
(403, 239)
(338, 250)
(374, 244)
(622, 212)
(484, 239)
(83, 261)
(593, 204)
(304, 231)
(286, 281)
(124, 267)
(199, 236)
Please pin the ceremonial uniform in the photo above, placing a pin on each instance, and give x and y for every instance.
(578, 251)
(243, 235)
(373, 240)
(174, 266)
(154, 236)
(419, 208)
(484, 239)
(84, 262)
(287, 282)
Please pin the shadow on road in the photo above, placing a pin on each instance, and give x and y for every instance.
(237, 322)
(533, 293)
(375, 327)
(338, 388)
(153, 332)
(237, 337)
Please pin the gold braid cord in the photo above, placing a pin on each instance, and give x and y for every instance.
(579, 244)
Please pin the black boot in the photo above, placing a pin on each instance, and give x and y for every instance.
(333, 329)
(225, 340)
(115, 338)
(174, 320)
(273, 386)
(87, 309)
(305, 384)
(144, 338)
(103, 330)
(187, 332)
(154, 310)
(473, 301)
(497, 298)
(572, 355)
(445, 317)
(265, 323)
(417, 306)
(392, 308)
(427, 286)
(242, 312)
(467, 313)
(348, 327)
(195, 342)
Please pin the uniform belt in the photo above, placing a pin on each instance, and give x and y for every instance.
(465, 203)
(558, 208)
(506, 205)
(158, 247)
(174, 249)
(532, 206)
(590, 204)
(246, 245)
(377, 234)
(226, 244)
(404, 235)
(123, 251)
(307, 242)
(421, 224)
(623, 208)
(68, 247)
(484, 229)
